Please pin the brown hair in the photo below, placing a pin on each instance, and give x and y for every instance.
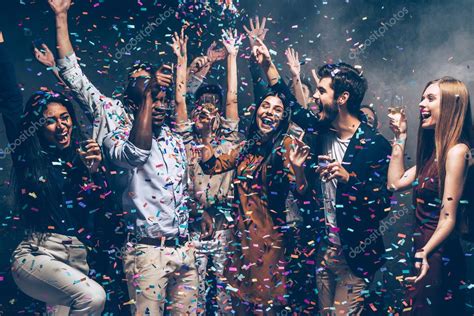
(454, 126)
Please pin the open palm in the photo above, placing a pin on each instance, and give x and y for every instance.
(256, 30)
(179, 44)
(59, 6)
(231, 41)
(292, 58)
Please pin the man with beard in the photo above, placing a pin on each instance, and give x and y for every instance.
(352, 164)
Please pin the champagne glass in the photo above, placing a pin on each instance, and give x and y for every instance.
(83, 149)
(323, 164)
(395, 110)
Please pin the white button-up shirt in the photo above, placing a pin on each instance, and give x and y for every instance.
(156, 198)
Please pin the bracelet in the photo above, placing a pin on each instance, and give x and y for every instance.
(53, 68)
(399, 141)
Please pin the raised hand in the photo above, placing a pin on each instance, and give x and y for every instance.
(179, 44)
(256, 31)
(46, 58)
(261, 52)
(231, 41)
(198, 64)
(215, 54)
(293, 61)
(398, 123)
(164, 76)
(298, 153)
(59, 6)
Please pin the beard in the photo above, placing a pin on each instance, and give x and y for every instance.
(328, 113)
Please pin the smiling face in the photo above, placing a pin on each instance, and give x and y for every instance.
(324, 98)
(430, 106)
(270, 114)
(58, 127)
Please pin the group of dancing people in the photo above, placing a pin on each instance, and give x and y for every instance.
(285, 215)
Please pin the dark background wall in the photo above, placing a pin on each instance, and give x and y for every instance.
(428, 39)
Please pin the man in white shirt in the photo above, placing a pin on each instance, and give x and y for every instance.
(159, 261)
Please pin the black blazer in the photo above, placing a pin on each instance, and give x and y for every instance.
(364, 200)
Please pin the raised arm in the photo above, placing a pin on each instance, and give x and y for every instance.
(300, 115)
(398, 178)
(262, 55)
(201, 66)
(256, 29)
(232, 43)
(60, 8)
(92, 101)
(141, 134)
(129, 146)
(179, 46)
(293, 62)
(197, 72)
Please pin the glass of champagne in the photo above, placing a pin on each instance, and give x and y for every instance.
(83, 149)
(323, 164)
(395, 110)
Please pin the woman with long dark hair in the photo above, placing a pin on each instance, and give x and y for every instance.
(438, 179)
(60, 191)
(268, 164)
